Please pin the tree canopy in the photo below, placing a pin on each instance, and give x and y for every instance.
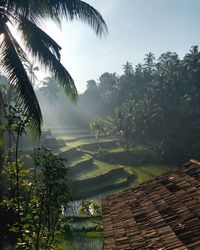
(154, 104)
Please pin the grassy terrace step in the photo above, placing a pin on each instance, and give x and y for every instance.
(85, 137)
(100, 180)
(72, 136)
(72, 133)
(70, 153)
(76, 160)
(92, 141)
(96, 145)
(149, 171)
(118, 184)
(75, 139)
(82, 166)
(101, 168)
(135, 175)
(95, 172)
(68, 129)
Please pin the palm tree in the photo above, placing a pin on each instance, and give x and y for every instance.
(97, 127)
(30, 69)
(26, 16)
(50, 88)
(149, 61)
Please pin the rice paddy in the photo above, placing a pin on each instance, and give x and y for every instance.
(85, 166)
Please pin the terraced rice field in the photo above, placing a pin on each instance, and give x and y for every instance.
(92, 177)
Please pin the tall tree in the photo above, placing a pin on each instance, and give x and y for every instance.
(97, 127)
(91, 85)
(149, 60)
(108, 86)
(50, 88)
(26, 16)
(31, 69)
(126, 83)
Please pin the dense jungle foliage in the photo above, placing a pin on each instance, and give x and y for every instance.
(154, 104)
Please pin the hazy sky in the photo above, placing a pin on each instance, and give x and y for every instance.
(136, 27)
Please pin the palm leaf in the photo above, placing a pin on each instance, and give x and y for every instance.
(80, 10)
(12, 57)
(57, 9)
(26, 26)
(46, 50)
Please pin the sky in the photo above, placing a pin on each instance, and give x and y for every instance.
(136, 27)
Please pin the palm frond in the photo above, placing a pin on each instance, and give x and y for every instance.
(46, 50)
(26, 26)
(57, 9)
(12, 57)
(80, 10)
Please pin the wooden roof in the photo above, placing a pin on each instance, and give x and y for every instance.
(161, 214)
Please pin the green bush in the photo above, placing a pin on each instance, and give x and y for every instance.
(139, 155)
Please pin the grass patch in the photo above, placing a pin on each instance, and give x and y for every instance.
(111, 177)
(130, 158)
(81, 243)
(66, 137)
(87, 141)
(62, 149)
(79, 159)
(73, 136)
(89, 234)
(143, 173)
(116, 150)
(69, 132)
(147, 172)
(101, 168)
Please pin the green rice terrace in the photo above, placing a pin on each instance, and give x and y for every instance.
(100, 167)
